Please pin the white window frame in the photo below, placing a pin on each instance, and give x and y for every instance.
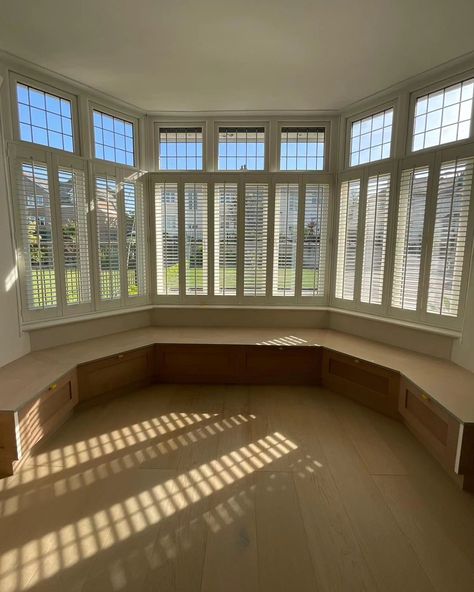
(16, 78)
(161, 124)
(326, 124)
(243, 123)
(437, 86)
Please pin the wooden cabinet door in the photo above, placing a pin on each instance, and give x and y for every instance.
(269, 364)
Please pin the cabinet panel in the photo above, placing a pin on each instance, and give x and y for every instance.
(282, 365)
(367, 383)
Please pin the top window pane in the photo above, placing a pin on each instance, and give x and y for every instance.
(371, 138)
(44, 118)
(443, 116)
(113, 138)
(180, 149)
(302, 149)
(241, 148)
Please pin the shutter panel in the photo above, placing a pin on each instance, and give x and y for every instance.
(135, 240)
(449, 238)
(375, 238)
(255, 244)
(195, 215)
(225, 242)
(108, 237)
(409, 242)
(167, 241)
(34, 203)
(285, 237)
(315, 239)
(347, 239)
(74, 232)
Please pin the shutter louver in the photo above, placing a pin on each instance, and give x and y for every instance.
(167, 241)
(225, 239)
(135, 238)
(108, 237)
(449, 238)
(73, 202)
(347, 239)
(195, 215)
(315, 239)
(285, 239)
(37, 251)
(409, 241)
(255, 244)
(375, 238)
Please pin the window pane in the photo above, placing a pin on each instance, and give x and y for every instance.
(443, 116)
(449, 239)
(135, 239)
(302, 148)
(180, 149)
(347, 239)
(375, 238)
(111, 138)
(167, 242)
(225, 239)
(255, 246)
(108, 238)
(285, 239)
(315, 239)
(40, 121)
(371, 138)
(195, 214)
(241, 148)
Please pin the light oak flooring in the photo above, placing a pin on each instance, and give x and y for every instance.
(223, 489)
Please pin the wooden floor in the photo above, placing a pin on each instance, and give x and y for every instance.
(223, 489)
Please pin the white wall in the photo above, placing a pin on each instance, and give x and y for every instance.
(13, 343)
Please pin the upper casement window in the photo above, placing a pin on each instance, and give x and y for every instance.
(371, 138)
(443, 116)
(114, 138)
(180, 148)
(302, 148)
(44, 118)
(241, 148)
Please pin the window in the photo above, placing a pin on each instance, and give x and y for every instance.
(315, 239)
(241, 148)
(371, 138)
(195, 221)
(135, 239)
(167, 239)
(347, 239)
(225, 239)
(37, 249)
(409, 242)
(180, 148)
(450, 235)
(285, 238)
(443, 116)
(113, 138)
(44, 118)
(375, 238)
(108, 238)
(74, 234)
(302, 149)
(255, 243)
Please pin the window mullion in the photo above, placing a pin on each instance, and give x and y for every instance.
(56, 230)
(181, 239)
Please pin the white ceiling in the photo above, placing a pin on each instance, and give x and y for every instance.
(210, 55)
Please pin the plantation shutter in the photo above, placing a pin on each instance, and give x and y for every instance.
(375, 238)
(108, 237)
(449, 238)
(255, 243)
(167, 240)
(347, 239)
(409, 241)
(285, 239)
(36, 231)
(315, 239)
(74, 234)
(195, 220)
(135, 240)
(225, 239)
